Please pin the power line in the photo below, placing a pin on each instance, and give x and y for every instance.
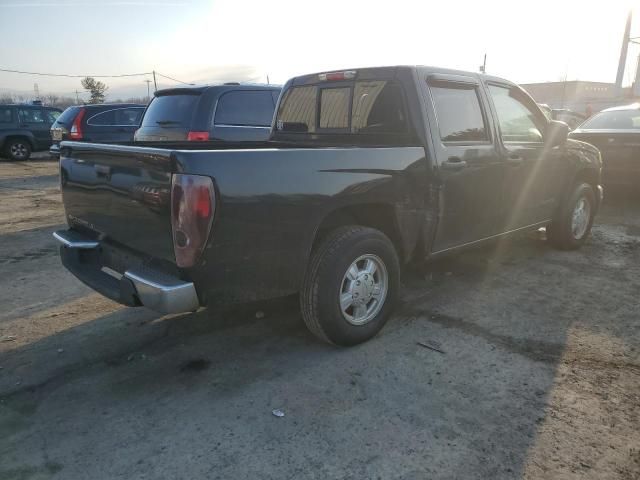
(175, 80)
(79, 76)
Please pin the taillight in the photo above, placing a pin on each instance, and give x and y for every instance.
(76, 128)
(198, 136)
(192, 209)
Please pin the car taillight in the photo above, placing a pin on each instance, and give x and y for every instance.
(76, 128)
(192, 209)
(198, 136)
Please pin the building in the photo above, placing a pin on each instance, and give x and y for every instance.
(578, 95)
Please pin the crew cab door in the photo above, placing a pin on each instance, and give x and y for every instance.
(469, 168)
(533, 175)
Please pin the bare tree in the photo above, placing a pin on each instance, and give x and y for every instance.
(51, 98)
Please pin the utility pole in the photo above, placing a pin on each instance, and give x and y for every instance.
(155, 84)
(148, 82)
(623, 56)
(77, 98)
(268, 82)
(483, 67)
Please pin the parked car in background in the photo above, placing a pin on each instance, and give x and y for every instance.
(24, 129)
(571, 118)
(616, 133)
(231, 112)
(101, 123)
(365, 171)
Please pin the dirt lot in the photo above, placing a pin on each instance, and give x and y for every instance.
(539, 379)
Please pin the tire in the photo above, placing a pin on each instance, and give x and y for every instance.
(18, 149)
(569, 229)
(329, 279)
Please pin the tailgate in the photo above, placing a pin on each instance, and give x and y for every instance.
(121, 193)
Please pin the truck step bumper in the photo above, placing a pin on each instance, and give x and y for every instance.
(139, 285)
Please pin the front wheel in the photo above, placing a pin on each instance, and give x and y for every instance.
(351, 285)
(18, 149)
(574, 220)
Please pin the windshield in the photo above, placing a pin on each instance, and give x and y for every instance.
(615, 119)
(170, 111)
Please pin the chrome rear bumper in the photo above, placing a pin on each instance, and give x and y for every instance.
(138, 285)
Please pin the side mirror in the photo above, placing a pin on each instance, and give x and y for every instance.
(557, 133)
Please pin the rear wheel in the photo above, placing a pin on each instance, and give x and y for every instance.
(574, 220)
(351, 285)
(18, 149)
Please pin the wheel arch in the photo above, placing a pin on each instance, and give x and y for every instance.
(590, 176)
(381, 216)
(21, 135)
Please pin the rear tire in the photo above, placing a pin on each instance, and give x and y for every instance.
(574, 220)
(351, 285)
(18, 149)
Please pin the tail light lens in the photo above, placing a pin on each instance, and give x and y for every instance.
(76, 128)
(192, 209)
(198, 136)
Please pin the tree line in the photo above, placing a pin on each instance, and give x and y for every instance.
(96, 89)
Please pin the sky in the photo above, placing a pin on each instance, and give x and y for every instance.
(209, 41)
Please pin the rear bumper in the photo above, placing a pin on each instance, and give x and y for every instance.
(54, 150)
(136, 286)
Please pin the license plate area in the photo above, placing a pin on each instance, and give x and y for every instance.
(56, 134)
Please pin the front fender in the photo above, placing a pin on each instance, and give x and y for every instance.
(17, 133)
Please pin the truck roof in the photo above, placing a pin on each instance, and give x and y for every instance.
(392, 70)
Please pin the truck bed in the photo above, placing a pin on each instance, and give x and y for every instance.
(270, 202)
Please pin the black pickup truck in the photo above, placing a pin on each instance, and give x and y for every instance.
(365, 171)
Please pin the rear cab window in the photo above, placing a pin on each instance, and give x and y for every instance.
(171, 111)
(371, 110)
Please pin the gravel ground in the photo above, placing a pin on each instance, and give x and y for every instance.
(537, 374)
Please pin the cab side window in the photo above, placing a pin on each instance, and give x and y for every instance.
(103, 119)
(31, 115)
(128, 116)
(245, 108)
(459, 114)
(518, 123)
(5, 115)
(52, 115)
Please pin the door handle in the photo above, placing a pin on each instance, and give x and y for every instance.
(515, 160)
(454, 163)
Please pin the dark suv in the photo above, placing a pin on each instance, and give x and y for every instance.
(102, 123)
(25, 128)
(229, 112)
